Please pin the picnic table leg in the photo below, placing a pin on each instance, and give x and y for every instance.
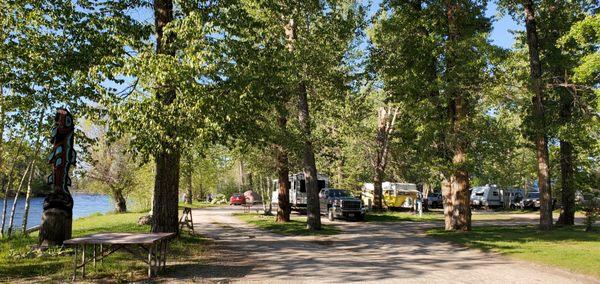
(102, 252)
(156, 258)
(94, 255)
(75, 263)
(164, 254)
(83, 261)
(150, 262)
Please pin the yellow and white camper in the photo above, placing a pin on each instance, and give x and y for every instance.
(395, 194)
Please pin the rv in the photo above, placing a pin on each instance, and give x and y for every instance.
(395, 195)
(298, 194)
(486, 196)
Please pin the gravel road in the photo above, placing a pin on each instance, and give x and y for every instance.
(365, 252)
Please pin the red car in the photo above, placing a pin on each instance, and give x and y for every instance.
(237, 199)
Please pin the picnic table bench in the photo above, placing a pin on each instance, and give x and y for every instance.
(151, 248)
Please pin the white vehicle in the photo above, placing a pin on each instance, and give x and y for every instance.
(511, 197)
(298, 194)
(486, 196)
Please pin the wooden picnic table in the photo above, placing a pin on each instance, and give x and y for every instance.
(151, 248)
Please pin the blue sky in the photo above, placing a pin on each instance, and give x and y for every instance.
(500, 35)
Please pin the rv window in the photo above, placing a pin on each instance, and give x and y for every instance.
(321, 184)
(479, 193)
(302, 186)
(495, 193)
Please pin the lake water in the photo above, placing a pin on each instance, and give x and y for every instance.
(84, 205)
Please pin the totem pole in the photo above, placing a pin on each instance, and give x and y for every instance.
(57, 218)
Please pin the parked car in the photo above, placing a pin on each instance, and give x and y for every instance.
(339, 203)
(435, 200)
(532, 201)
(485, 196)
(237, 199)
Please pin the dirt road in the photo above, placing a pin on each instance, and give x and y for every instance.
(364, 252)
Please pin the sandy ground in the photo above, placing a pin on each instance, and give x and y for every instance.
(365, 252)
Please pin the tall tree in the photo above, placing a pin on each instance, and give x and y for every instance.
(386, 119)
(434, 56)
(166, 182)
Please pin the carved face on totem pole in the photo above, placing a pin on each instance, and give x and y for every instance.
(57, 217)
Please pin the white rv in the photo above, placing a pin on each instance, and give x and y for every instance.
(298, 194)
(486, 196)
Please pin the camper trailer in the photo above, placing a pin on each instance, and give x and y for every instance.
(395, 195)
(298, 194)
(486, 196)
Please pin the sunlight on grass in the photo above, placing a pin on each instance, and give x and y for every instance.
(397, 216)
(296, 227)
(567, 248)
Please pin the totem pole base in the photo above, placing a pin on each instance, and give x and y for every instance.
(56, 227)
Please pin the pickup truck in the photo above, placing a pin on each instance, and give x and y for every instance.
(435, 200)
(339, 203)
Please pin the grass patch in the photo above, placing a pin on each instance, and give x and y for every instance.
(296, 227)
(568, 248)
(18, 262)
(397, 216)
(198, 205)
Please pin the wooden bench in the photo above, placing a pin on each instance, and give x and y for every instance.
(151, 248)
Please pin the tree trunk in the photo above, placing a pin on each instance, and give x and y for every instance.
(2, 123)
(283, 172)
(378, 189)
(189, 196)
(313, 210)
(385, 126)
(567, 213)
(459, 217)
(14, 205)
(6, 185)
(242, 184)
(540, 138)
(461, 203)
(38, 146)
(283, 192)
(165, 206)
(27, 200)
(165, 203)
(120, 202)
(448, 203)
(269, 195)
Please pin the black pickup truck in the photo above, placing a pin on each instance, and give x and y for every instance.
(338, 203)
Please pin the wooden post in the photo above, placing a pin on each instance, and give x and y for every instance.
(94, 255)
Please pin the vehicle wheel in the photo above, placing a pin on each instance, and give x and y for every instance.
(330, 215)
(360, 217)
